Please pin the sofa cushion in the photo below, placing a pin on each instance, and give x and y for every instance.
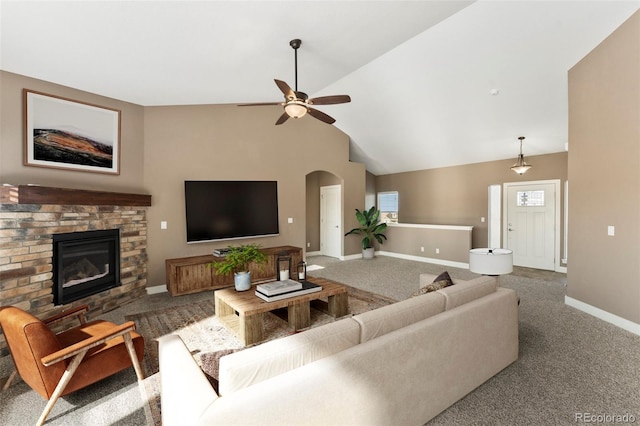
(388, 318)
(441, 281)
(464, 292)
(245, 368)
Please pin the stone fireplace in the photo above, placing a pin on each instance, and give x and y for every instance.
(34, 220)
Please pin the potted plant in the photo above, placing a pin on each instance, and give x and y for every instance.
(370, 228)
(237, 261)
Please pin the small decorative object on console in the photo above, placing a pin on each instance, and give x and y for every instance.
(221, 252)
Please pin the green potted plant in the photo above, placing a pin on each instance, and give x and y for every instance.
(237, 261)
(370, 228)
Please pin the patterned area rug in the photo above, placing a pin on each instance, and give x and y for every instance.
(208, 339)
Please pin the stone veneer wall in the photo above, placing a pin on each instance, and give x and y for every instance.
(26, 255)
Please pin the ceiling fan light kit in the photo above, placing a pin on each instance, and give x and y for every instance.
(521, 166)
(296, 103)
(295, 109)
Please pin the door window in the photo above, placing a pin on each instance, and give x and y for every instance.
(530, 199)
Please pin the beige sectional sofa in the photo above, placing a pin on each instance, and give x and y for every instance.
(401, 364)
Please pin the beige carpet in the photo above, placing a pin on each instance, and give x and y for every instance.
(207, 338)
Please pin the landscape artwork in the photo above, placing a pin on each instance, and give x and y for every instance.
(67, 134)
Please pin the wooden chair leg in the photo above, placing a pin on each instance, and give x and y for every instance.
(134, 357)
(10, 380)
(64, 381)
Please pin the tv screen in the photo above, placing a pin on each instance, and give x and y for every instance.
(225, 210)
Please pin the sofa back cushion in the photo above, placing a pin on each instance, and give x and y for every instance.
(245, 368)
(465, 291)
(389, 318)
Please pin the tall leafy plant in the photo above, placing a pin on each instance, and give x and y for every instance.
(370, 227)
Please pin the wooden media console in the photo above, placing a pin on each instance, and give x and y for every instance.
(192, 275)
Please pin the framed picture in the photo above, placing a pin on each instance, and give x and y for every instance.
(66, 134)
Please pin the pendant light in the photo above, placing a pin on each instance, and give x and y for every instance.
(521, 166)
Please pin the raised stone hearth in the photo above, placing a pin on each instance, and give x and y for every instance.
(31, 215)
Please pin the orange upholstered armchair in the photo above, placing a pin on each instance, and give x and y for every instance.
(58, 364)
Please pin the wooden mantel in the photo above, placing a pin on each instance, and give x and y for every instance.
(31, 194)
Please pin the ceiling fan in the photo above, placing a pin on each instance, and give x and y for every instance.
(297, 104)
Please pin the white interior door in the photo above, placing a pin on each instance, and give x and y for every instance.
(331, 220)
(531, 224)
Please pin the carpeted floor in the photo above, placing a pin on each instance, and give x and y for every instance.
(570, 363)
(207, 339)
(191, 317)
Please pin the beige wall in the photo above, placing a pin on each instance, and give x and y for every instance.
(12, 169)
(371, 198)
(161, 147)
(227, 142)
(458, 195)
(604, 175)
(429, 243)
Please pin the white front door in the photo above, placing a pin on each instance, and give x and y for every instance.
(331, 221)
(530, 227)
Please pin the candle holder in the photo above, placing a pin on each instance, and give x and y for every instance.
(302, 271)
(283, 266)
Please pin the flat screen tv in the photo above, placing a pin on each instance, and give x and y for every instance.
(226, 210)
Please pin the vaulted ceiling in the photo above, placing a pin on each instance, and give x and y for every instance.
(433, 83)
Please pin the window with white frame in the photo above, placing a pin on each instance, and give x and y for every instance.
(530, 199)
(388, 206)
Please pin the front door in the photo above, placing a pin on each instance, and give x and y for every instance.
(531, 224)
(331, 220)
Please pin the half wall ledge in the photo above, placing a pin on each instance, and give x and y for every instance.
(448, 244)
(32, 194)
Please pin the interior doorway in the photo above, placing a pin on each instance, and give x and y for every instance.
(331, 220)
(532, 223)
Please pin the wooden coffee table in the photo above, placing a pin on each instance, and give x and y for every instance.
(242, 312)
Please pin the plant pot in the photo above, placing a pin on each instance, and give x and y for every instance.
(368, 253)
(242, 281)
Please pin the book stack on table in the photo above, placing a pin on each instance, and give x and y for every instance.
(279, 290)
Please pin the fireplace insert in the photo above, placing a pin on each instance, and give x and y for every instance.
(85, 263)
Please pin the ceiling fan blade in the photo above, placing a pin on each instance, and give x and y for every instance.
(321, 116)
(284, 87)
(284, 117)
(262, 104)
(330, 100)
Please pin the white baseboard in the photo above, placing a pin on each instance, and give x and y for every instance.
(425, 259)
(314, 253)
(157, 289)
(351, 257)
(409, 257)
(603, 315)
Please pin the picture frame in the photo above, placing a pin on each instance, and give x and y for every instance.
(67, 134)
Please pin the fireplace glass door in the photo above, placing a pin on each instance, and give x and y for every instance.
(85, 263)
